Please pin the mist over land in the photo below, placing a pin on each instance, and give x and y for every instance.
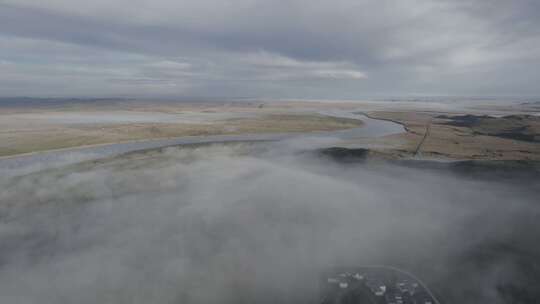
(258, 222)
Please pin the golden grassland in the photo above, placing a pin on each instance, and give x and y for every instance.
(50, 137)
(461, 142)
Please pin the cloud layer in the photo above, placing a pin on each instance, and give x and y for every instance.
(300, 48)
(256, 223)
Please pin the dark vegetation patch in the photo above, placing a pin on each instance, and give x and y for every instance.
(516, 127)
(513, 171)
(344, 154)
(463, 120)
(502, 169)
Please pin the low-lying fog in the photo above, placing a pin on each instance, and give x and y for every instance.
(256, 223)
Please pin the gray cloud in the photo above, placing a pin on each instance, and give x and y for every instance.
(366, 47)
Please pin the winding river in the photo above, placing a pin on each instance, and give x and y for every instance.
(370, 129)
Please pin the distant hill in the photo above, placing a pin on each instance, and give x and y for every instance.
(52, 102)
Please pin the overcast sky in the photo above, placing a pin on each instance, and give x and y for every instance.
(269, 48)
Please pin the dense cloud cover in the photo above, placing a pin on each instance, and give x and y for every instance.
(258, 48)
(256, 223)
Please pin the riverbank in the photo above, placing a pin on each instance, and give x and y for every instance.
(456, 136)
(394, 130)
(56, 129)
